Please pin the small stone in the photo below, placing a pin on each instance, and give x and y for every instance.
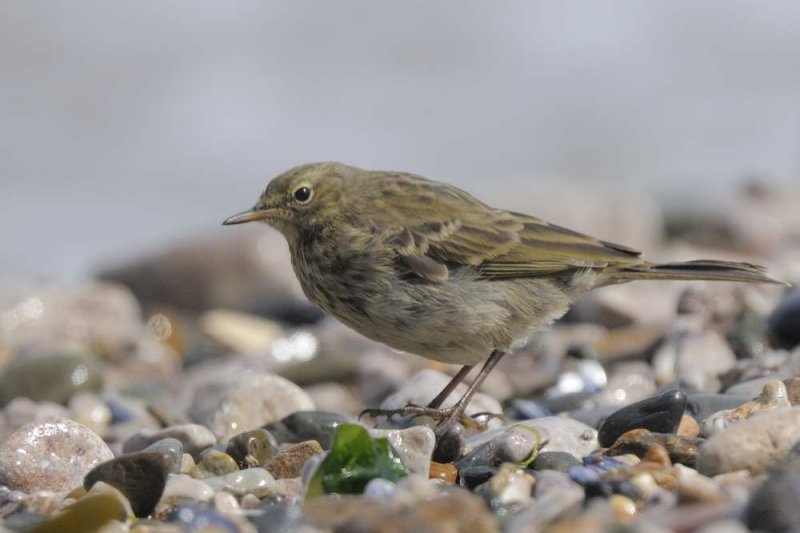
(173, 449)
(694, 487)
(140, 476)
(563, 434)
(196, 517)
(187, 463)
(793, 389)
(703, 405)
(624, 508)
(413, 445)
(773, 395)
(308, 425)
(517, 444)
(657, 454)
(255, 401)
(54, 377)
(239, 332)
(450, 445)
(659, 414)
(90, 513)
(783, 324)
(472, 476)
(638, 441)
(289, 463)
(194, 437)
(444, 471)
(91, 411)
(702, 356)
(51, 455)
(512, 486)
(773, 506)
(379, 489)
(181, 488)
(214, 463)
(226, 503)
(556, 495)
(688, 427)
(251, 448)
(561, 461)
(252, 480)
(755, 444)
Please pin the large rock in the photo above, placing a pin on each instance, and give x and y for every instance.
(247, 270)
(755, 444)
(52, 455)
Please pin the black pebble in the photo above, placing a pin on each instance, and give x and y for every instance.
(140, 476)
(449, 446)
(472, 476)
(783, 325)
(659, 414)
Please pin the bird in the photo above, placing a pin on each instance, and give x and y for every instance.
(425, 267)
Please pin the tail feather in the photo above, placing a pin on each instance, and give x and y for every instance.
(702, 269)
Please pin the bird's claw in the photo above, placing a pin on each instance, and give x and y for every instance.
(446, 417)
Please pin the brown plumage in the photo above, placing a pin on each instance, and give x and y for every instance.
(426, 268)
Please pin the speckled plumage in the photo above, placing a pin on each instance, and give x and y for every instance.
(426, 268)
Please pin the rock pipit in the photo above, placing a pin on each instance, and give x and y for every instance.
(426, 268)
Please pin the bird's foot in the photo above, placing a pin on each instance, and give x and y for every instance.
(446, 417)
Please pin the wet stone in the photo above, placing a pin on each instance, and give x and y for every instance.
(517, 444)
(52, 455)
(307, 425)
(450, 445)
(52, 378)
(194, 437)
(251, 448)
(444, 471)
(472, 476)
(173, 449)
(773, 395)
(213, 463)
(638, 441)
(688, 427)
(194, 517)
(141, 477)
(659, 414)
(703, 405)
(413, 445)
(252, 480)
(561, 461)
(87, 514)
(289, 463)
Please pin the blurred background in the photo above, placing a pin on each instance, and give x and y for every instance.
(126, 127)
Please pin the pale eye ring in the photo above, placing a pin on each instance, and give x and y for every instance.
(302, 195)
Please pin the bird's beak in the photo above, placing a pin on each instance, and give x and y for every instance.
(250, 215)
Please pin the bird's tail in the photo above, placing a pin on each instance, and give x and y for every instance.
(702, 269)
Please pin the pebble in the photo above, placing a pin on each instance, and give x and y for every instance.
(413, 445)
(561, 461)
(446, 472)
(213, 463)
(517, 444)
(52, 455)
(563, 435)
(195, 517)
(703, 405)
(289, 463)
(773, 395)
(660, 414)
(511, 487)
(140, 476)
(53, 377)
(421, 388)
(257, 400)
(194, 437)
(630, 382)
(91, 411)
(688, 427)
(774, 504)
(379, 489)
(701, 357)
(181, 488)
(783, 324)
(252, 480)
(90, 513)
(472, 476)
(450, 446)
(173, 449)
(308, 425)
(556, 496)
(695, 487)
(755, 444)
(251, 448)
(624, 508)
(638, 441)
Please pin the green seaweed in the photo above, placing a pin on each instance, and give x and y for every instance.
(353, 460)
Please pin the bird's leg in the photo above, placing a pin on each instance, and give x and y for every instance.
(433, 409)
(449, 415)
(458, 378)
(456, 412)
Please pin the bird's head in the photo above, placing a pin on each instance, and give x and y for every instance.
(300, 199)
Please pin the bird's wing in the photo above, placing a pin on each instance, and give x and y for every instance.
(449, 228)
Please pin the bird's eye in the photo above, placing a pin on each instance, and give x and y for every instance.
(302, 194)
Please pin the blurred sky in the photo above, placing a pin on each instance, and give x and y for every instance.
(124, 125)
